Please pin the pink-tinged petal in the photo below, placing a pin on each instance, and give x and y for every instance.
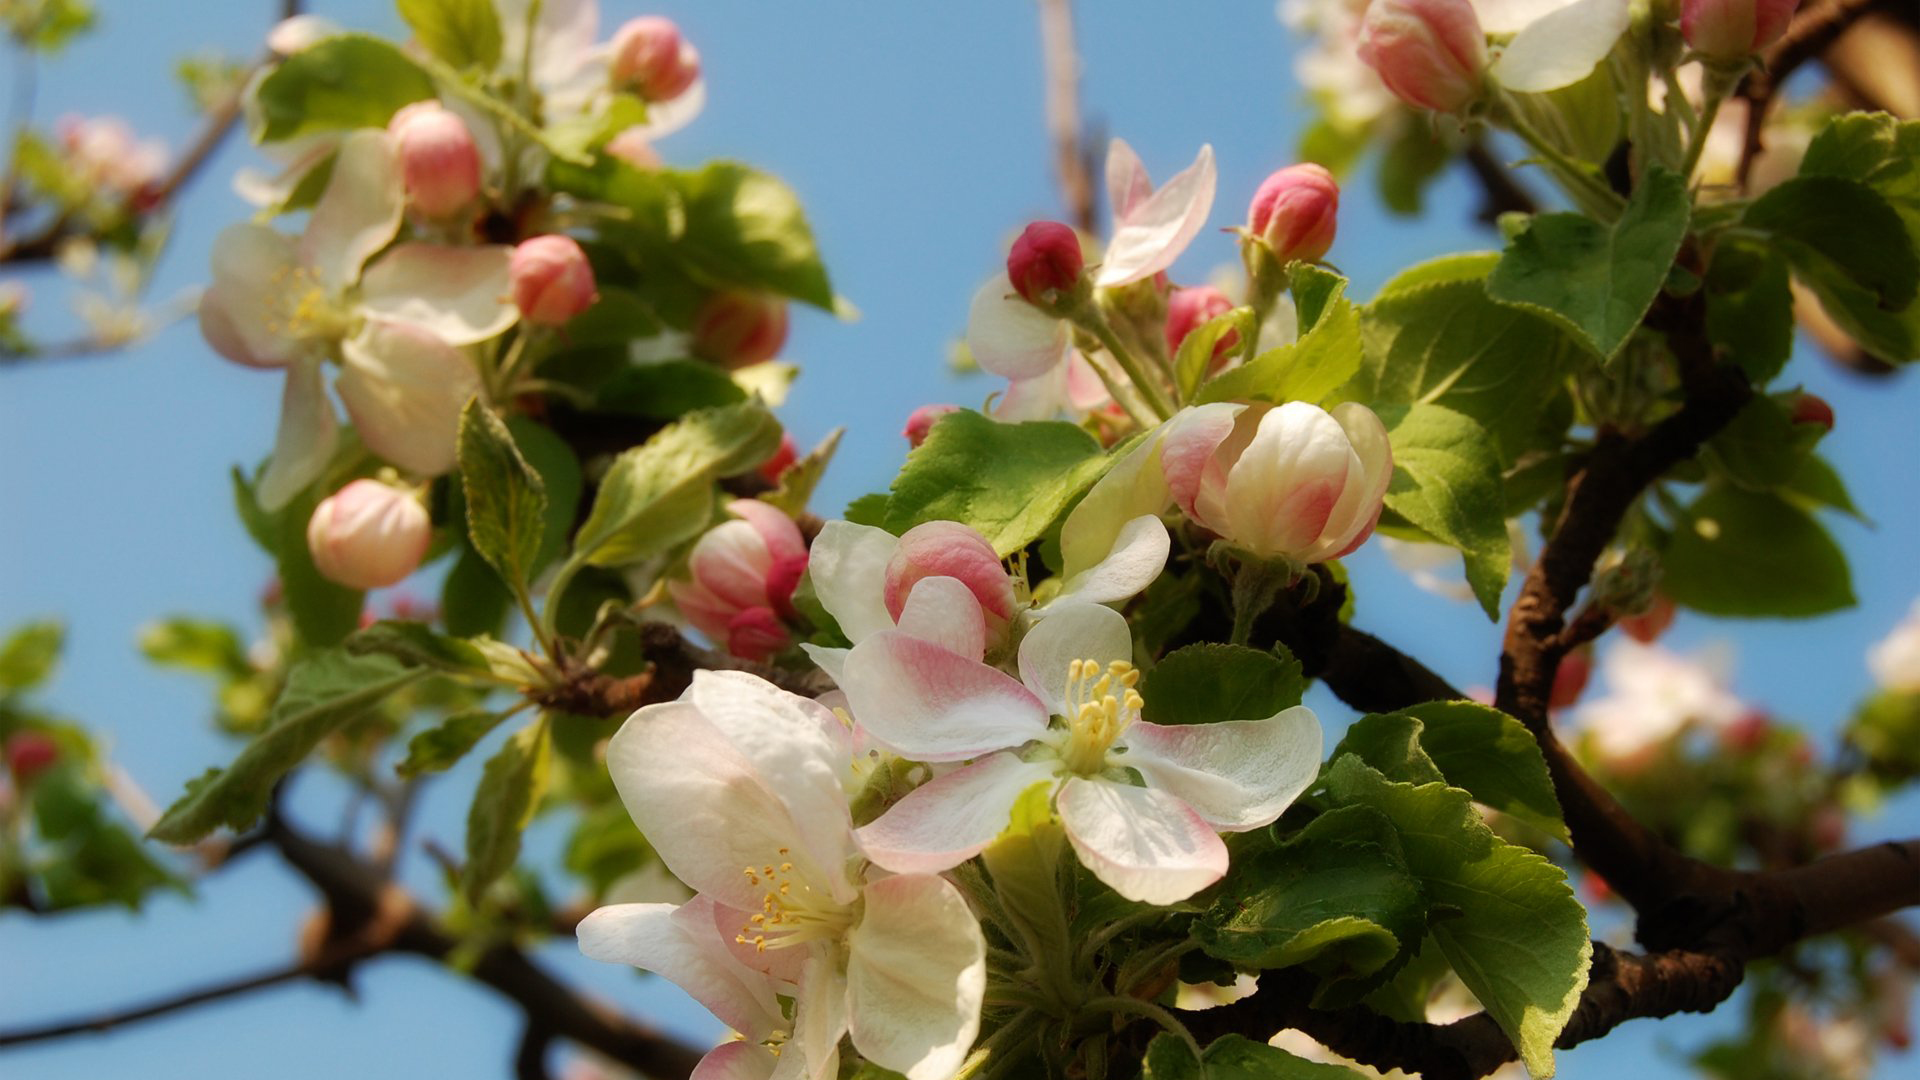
(756, 633)
(848, 564)
(666, 117)
(1128, 184)
(820, 1016)
(358, 213)
(1353, 517)
(458, 294)
(944, 611)
(1238, 774)
(1011, 337)
(831, 660)
(1042, 397)
(950, 819)
(781, 535)
(929, 704)
(1561, 47)
(949, 549)
(1296, 446)
(1145, 844)
(404, 389)
(916, 977)
(1191, 438)
(1153, 233)
(1139, 554)
(786, 967)
(308, 434)
(708, 613)
(708, 813)
(683, 945)
(1069, 632)
(736, 1061)
(1085, 391)
(732, 561)
(247, 314)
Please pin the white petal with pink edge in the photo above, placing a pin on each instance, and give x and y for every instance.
(930, 704)
(1077, 631)
(916, 977)
(404, 389)
(1561, 47)
(848, 564)
(1128, 184)
(1146, 845)
(820, 1015)
(309, 431)
(1153, 233)
(1011, 337)
(247, 314)
(736, 1061)
(944, 611)
(359, 211)
(1238, 774)
(682, 945)
(1139, 554)
(949, 820)
(458, 294)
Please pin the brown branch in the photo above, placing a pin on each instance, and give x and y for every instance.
(1071, 156)
(1809, 35)
(111, 1019)
(1501, 192)
(672, 661)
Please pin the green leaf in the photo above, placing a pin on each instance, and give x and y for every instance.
(1009, 481)
(745, 229)
(506, 499)
(464, 33)
(1447, 482)
(584, 132)
(1597, 279)
(1208, 683)
(1433, 336)
(1817, 484)
(417, 645)
(346, 81)
(1754, 554)
(799, 480)
(1518, 938)
(1474, 747)
(1880, 152)
(94, 859)
(1311, 369)
(1885, 730)
(28, 657)
(1750, 308)
(1409, 163)
(669, 390)
(1196, 351)
(323, 692)
(559, 470)
(473, 599)
(509, 792)
(1315, 289)
(1829, 226)
(1337, 898)
(438, 748)
(197, 645)
(47, 25)
(660, 493)
(1233, 1057)
(1762, 448)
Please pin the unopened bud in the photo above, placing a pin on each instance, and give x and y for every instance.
(30, 753)
(1191, 308)
(740, 329)
(438, 158)
(1431, 53)
(1650, 624)
(552, 280)
(1570, 678)
(650, 59)
(1733, 29)
(368, 535)
(949, 549)
(921, 421)
(1294, 212)
(1045, 262)
(772, 469)
(743, 573)
(1625, 581)
(1811, 409)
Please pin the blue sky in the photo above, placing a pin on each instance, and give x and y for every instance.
(913, 133)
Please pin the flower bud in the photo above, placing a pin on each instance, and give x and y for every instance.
(1431, 53)
(1291, 481)
(921, 422)
(1649, 625)
(368, 534)
(772, 469)
(1811, 409)
(438, 158)
(1294, 212)
(740, 329)
(552, 280)
(1191, 308)
(1733, 29)
(633, 147)
(949, 549)
(744, 573)
(1570, 678)
(1045, 262)
(30, 753)
(650, 59)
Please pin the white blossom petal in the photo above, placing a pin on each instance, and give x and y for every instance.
(1077, 631)
(831, 660)
(944, 611)
(929, 704)
(736, 1061)
(358, 213)
(1132, 487)
(916, 977)
(1153, 233)
(1146, 845)
(1127, 182)
(1238, 774)
(1139, 554)
(682, 945)
(1042, 397)
(458, 294)
(1512, 16)
(950, 819)
(1011, 337)
(820, 1016)
(848, 565)
(1561, 47)
(666, 117)
(308, 434)
(404, 389)
(247, 313)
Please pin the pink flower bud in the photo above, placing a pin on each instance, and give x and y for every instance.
(1290, 481)
(1045, 260)
(949, 549)
(1193, 307)
(650, 59)
(633, 147)
(1431, 53)
(552, 280)
(1294, 212)
(744, 573)
(1733, 29)
(30, 753)
(740, 329)
(1570, 678)
(772, 469)
(1650, 624)
(438, 158)
(921, 421)
(1811, 409)
(367, 535)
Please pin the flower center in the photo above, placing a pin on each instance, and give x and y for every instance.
(311, 313)
(1101, 703)
(791, 913)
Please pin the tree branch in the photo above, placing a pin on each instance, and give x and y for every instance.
(114, 1018)
(1501, 192)
(1071, 156)
(672, 661)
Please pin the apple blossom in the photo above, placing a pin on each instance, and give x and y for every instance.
(396, 327)
(1294, 212)
(1734, 29)
(1157, 844)
(103, 154)
(739, 786)
(368, 535)
(634, 147)
(1652, 695)
(744, 572)
(1151, 227)
(1045, 262)
(920, 422)
(650, 59)
(1431, 53)
(552, 280)
(1190, 308)
(740, 329)
(1344, 87)
(438, 158)
(1895, 660)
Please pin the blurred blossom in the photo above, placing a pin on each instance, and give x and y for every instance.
(1652, 695)
(1345, 88)
(1895, 660)
(103, 152)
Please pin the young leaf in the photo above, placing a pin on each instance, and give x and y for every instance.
(1881, 152)
(29, 655)
(1007, 480)
(1312, 368)
(509, 792)
(1831, 226)
(668, 391)
(1599, 280)
(745, 229)
(418, 645)
(1447, 482)
(1196, 351)
(346, 81)
(1750, 308)
(1754, 554)
(1518, 939)
(1470, 746)
(559, 470)
(438, 748)
(1209, 683)
(323, 692)
(464, 33)
(506, 499)
(800, 478)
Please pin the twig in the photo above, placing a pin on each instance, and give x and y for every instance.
(673, 661)
(1071, 156)
(1809, 35)
(107, 1021)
